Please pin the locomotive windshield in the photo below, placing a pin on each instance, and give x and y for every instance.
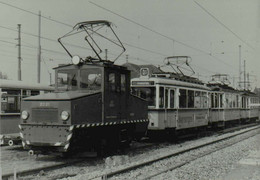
(85, 79)
(90, 79)
(67, 79)
(147, 93)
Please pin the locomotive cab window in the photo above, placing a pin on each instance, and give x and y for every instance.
(67, 79)
(112, 82)
(90, 79)
(123, 82)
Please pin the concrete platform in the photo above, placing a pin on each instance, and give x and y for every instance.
(248, 168)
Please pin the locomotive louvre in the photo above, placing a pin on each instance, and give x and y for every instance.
(179, 104)
(91, 109)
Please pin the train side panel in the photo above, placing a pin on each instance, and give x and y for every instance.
(137, 112)
(232, 114)
(188, 118)
(87, 109)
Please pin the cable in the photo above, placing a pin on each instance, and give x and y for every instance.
(223, 25)
(149, 29)
(30, 12)
(127, 44)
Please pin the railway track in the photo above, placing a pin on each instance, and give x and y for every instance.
(70, 162)
(135, 166)
(54, 163)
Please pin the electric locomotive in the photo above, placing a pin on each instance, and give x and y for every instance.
(91, 109)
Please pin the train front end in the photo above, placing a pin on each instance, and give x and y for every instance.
(46, 123)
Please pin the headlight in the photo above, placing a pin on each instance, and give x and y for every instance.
(65, 115)
(25, 115)
(75, 60)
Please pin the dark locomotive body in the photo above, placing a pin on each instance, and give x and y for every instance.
(97, 108)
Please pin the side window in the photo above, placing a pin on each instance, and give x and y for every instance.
(216, 96)
(212, 100)
(34, 93)
(10, 101)
(112, 82)
(166, 98)
(123, 83)
(183, 99)
(161, 97)
(198, 100)
(205, 99)
(171, 98)
(221, 100)
(190, 99)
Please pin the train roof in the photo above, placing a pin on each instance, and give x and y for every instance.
(107, 64)
(174, 82)
(14, 84)
(222, 87)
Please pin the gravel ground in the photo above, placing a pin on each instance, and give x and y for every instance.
(215, 165)
(93, 168)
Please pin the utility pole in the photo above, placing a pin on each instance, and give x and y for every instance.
(244, 74)
(39, 50)
(19, 53)
(239, 83)
(248, 82)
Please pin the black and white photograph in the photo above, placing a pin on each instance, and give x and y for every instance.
(133, 89)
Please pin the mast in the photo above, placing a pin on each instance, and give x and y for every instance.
(39, 51)
(19, 53)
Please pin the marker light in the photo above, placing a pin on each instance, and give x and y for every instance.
(65, 115)
(75, 60)
(144, 72)
(25, 115)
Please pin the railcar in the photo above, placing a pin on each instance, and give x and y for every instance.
(225, 102)
(175, 104)
(91, 108)
(230, 106)
(12, 92)
(250, 107)
(179, 104)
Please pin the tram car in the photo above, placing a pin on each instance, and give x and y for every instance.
(250, 107)
(11, 94)
(181, 105)
(230, 106)
(176, 104)
(91, 108)
(225, 109)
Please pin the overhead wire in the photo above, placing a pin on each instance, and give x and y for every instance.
(222, 24)
(53, 20)
(158, 33)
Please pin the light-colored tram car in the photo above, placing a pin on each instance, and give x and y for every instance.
(174, 104)
(12, 92)
(225, 105)
(249, 107)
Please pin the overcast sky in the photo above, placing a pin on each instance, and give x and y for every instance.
(212, 45)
